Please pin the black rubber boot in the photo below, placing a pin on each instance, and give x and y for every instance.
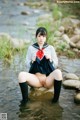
(57, 89)
(24, 91)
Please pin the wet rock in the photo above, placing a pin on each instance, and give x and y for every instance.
(77, 98)
(45, 90)
(75, 38)
(5, 36)
(71, 76)
(61, 29)
(75, 50)
(25, 13)
(71, 84)
(66, 22)
(78, 45)
(77, 31)
(57, 34)
(75, 21)
(66, 38)
(41, 93)
(18, 44)
(72, 45)
(14, 42)
(34, 4)
(20, 4)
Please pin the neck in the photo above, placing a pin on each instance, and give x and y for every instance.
(40, 46)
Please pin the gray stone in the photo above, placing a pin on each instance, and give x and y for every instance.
(66, 38)
(77, 98)
(71, 84)
(71, 76)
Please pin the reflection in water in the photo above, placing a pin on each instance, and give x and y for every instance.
(40, 109)
(37, 110)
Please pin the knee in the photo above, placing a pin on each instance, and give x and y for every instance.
(21, 77)
(58, 74)
(58, 71)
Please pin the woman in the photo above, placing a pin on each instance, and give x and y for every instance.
(42, 62)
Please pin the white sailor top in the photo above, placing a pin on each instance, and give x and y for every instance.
(34, 50)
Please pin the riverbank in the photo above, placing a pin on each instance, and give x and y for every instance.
(39, 107)
(63, 27)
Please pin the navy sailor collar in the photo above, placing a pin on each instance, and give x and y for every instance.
(37, 46)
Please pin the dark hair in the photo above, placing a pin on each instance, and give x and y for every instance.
(41, 31)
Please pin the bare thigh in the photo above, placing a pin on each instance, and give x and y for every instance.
(31, 79)
(54, 75)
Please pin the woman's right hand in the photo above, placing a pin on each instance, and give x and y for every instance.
(33, 59)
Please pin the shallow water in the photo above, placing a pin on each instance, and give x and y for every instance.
(40, 106)
(16, 24)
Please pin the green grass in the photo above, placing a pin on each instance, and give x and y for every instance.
(5, 48)
(70, 9)
(51, 27)
(7, 52)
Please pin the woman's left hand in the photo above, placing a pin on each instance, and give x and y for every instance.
(48, 57)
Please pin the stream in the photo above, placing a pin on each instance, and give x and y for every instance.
(39, 108)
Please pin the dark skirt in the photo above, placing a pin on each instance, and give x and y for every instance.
(43, 66)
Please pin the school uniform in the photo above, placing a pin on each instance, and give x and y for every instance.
(41, 64)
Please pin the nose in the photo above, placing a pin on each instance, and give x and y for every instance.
(41, 37)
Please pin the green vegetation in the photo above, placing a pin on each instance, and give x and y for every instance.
(70, 9)
(7, 52)
(56, 10)
(5, 48)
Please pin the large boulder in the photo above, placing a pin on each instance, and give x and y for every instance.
(77, 31)
(41, 93)
(18, 43)
(66, 38)
(57, 34)
(61, 29)
(78, 45)
(75, 38)
(71, 84)
(71, 76)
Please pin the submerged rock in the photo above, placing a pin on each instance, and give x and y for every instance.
(25, 13)
(77, 98)
(41, 93)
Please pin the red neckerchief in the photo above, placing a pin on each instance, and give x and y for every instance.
(40, 53)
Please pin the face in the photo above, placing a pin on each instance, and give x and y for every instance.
(41, 39)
